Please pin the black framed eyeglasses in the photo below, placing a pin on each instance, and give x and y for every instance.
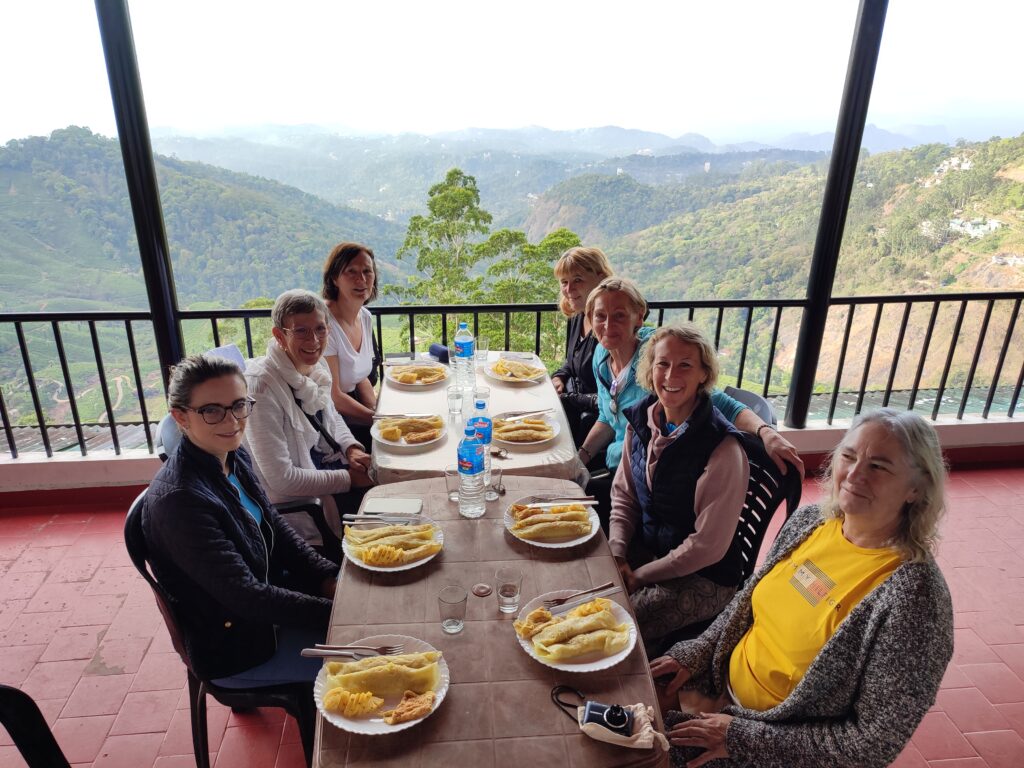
(305, 334)
(213, 413)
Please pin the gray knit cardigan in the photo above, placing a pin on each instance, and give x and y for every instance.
(863, 695)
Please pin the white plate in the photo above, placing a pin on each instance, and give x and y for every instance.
(421, 519)
(591, 662)
(417, 385)
(490, 372)
(409, 448)
(375, 726)
(595, 525)
(551, 422)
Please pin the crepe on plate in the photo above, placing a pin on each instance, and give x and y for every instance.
(413, 706)
(388, 678)
(586, 629)
(417, 374)
(348, 704)
(409, 430)
(514, 369)
(523, 430)
(565, 521)
(392, 545)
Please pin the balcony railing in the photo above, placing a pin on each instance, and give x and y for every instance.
(955, 354)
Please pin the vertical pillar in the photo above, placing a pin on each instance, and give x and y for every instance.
(860, 75)
(140, 173)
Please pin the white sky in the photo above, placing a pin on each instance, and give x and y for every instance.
(729, 70)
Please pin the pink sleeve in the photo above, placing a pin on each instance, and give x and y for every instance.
(718, 500)
(625, 510)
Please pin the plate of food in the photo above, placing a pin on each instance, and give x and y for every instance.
(382, 694)
(409, 432)
(515, 371)
(536, 430)
(415, 374)
(590, 637)
(387, 547)
(552, 527)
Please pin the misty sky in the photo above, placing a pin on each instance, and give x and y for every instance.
(734, 71)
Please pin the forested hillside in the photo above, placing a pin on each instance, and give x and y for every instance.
(67, 239)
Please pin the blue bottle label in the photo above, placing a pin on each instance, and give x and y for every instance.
(471, 459)
(464, 348)
(484, 429)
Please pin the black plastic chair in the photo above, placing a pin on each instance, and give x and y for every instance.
(754, 402)
(28, 730)
(767, 488)
(295, 698)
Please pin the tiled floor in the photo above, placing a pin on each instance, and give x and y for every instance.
(80, 632)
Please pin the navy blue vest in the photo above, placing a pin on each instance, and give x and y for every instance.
(668, 516)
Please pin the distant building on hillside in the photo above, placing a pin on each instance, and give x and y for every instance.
(974, 228)
(1009, 260)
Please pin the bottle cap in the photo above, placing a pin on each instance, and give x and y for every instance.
(463, 325)
(481, 589)
(481, 404)
(470, 431)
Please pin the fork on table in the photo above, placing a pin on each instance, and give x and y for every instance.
(556, 601)
(327, 651)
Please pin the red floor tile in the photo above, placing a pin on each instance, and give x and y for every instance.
(97, 696)
(53, 679)
(54, 597)
(1000, 749)
(290, 756)
(253, 747)
(1014, 714)
(959, 762)
(996, 681)
(937, 738)
(118, 657)
(970, 711)
(10, 757)
(178, 739)
(131, 751)
(145, 712)
(80, 738)
(1012, 656)
(97, 609)
(909, 758)
(33, 629)
(160, 672)
(74, 643)
(968, 648)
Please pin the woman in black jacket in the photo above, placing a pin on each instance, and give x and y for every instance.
(579, 270)
(249, 591)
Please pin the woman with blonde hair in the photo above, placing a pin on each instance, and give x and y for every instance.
(833, 652)
(679, 489)
(579, 270)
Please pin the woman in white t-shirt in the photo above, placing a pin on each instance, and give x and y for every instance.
(350, 282)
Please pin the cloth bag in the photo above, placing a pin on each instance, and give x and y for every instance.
(644, 735)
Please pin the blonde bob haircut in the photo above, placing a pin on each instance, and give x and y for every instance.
(919, 527)
(581, 259)
(618, 285)
(688, 333)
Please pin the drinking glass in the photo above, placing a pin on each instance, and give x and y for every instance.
(454, 401)
(491, 492)
(451, 482)
(507, 585)
(451, 603)
(482, 393)
(482, 346)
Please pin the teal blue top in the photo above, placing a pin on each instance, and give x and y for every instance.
(632, 393)
(251, 506)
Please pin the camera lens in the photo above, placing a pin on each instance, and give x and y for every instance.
(615, 716)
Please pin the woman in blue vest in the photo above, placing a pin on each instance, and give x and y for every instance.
(679, 489)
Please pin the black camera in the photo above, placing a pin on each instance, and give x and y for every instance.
(614, 718)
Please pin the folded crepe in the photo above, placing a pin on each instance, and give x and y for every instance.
(423, 532)
(581, 516)
(535, 621)
(603, 641)
(575, 625)
(385, 555)
(410, 660)
(559, 529)
(389, 680)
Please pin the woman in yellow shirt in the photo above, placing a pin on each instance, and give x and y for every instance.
(834, 652)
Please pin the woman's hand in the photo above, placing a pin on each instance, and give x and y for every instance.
(559, 384)
(781, 450)
(706, 731)
(360, 477)
(663, 666)
(628, 577)
(358, 457)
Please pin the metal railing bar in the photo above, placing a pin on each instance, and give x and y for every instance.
(949, 359)
(661, 316)
(63, 317)
(771, 352)
(444, 328)
(1016, 392)
(1002, 359)
(689, 315)
(536, 337)
(216, 331)
(103, 388)
(718, 326)
(896, 354)
(476, 325)
(867, 360)
(924, 356)
(247, 324)
(974, 360)
(508, 329)
(840, 364)
(23, 345)
(412, 334)
(380, 346)
(138, 384)
(743, 350)
(12, 446)
(62, 357)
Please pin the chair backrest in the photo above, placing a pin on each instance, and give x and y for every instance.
(767, 488)
(168, 436)
(229, 352)
(754, 402)
(138, 551)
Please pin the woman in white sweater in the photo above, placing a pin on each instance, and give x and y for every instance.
(301, 446)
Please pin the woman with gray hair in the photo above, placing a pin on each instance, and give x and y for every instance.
(300, 444)
(833, 652)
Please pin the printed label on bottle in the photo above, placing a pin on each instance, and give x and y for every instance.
(483, 429)
(464, 348)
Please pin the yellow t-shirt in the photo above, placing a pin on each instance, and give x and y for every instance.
(797, 607)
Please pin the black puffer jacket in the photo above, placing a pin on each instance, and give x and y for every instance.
(227, 573)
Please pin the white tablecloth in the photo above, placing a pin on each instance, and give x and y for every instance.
(556, 459)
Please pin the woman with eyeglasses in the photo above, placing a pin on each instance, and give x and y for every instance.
(249, 591)
(349, 284)
(301, 446)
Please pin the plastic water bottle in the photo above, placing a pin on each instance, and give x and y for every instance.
(465, 347)
(471, 475)
(481, 422)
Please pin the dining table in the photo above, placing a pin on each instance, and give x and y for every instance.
(554, 458)
(498, 709)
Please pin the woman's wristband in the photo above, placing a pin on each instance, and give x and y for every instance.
(763, 426)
